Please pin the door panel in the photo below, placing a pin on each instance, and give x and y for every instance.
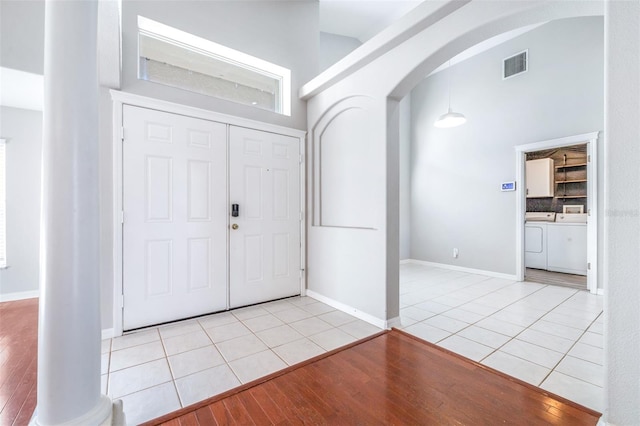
(175, 206)
(264, 175)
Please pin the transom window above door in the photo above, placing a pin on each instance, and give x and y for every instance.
(176, 58)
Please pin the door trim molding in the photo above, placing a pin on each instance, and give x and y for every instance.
(591, 139)
(171, 107)
(119, 99)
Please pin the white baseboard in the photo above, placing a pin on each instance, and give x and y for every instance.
(601, 422)
(19, 295)
(353, 311)
(464, 269)
(107, 333)
(600, 291)
(405, 261)
(394, 322)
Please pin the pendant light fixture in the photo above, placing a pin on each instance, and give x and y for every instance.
(450, 119)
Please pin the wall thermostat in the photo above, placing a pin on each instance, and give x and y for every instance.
(508, 186)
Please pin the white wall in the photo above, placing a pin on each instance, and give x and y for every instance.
(23, 130)
(22, 48)
(334, 47)
(22, 35)
(284, 33)
(622, 207)
(346, 239)
(106, 208)
(456, 173)
(405, 177)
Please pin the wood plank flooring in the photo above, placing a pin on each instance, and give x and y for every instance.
(391, 378)
(18, 361)
(555, 278)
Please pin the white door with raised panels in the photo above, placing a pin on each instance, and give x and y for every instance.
(175, 217)
(264, 239)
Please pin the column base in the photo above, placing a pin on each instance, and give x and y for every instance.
(106, 413)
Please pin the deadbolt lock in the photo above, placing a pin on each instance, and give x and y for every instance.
(234, 226)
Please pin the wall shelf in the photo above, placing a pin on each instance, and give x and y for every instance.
(569, 166)
(572, 182)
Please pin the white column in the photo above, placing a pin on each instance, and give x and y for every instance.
(69, 322)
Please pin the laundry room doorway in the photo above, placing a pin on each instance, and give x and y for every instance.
(557, 213)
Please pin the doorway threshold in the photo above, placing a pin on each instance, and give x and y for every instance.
(556, 278)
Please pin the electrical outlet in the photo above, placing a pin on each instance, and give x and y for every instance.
(455, 253)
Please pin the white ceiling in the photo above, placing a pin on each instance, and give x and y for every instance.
(361, 19)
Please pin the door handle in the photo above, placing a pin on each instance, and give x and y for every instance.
(234, 226)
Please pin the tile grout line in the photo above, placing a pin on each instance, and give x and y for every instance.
(529, 327)
(567, 354)
(166, 358)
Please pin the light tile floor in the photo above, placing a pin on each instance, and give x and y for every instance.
(548, 336)
(162, 369)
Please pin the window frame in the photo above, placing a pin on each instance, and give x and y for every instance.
(187, 41)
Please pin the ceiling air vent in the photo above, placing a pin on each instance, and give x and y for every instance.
(516, 64)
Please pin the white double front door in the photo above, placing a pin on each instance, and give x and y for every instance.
(184, 254)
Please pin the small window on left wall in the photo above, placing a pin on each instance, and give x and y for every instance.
(3, 204)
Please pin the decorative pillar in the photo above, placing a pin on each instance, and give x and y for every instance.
(69, 323)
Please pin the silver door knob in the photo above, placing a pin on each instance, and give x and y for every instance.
(234, 226)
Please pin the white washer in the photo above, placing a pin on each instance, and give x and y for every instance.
(535, 245)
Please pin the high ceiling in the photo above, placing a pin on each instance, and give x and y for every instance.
(361, 19)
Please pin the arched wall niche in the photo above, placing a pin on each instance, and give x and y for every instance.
(341, 195)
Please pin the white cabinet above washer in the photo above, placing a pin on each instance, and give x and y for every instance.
(540, 178)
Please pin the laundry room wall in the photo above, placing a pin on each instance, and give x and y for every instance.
(456, 200)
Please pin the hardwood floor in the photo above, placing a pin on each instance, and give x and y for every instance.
(391, 378)
(18, 361)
